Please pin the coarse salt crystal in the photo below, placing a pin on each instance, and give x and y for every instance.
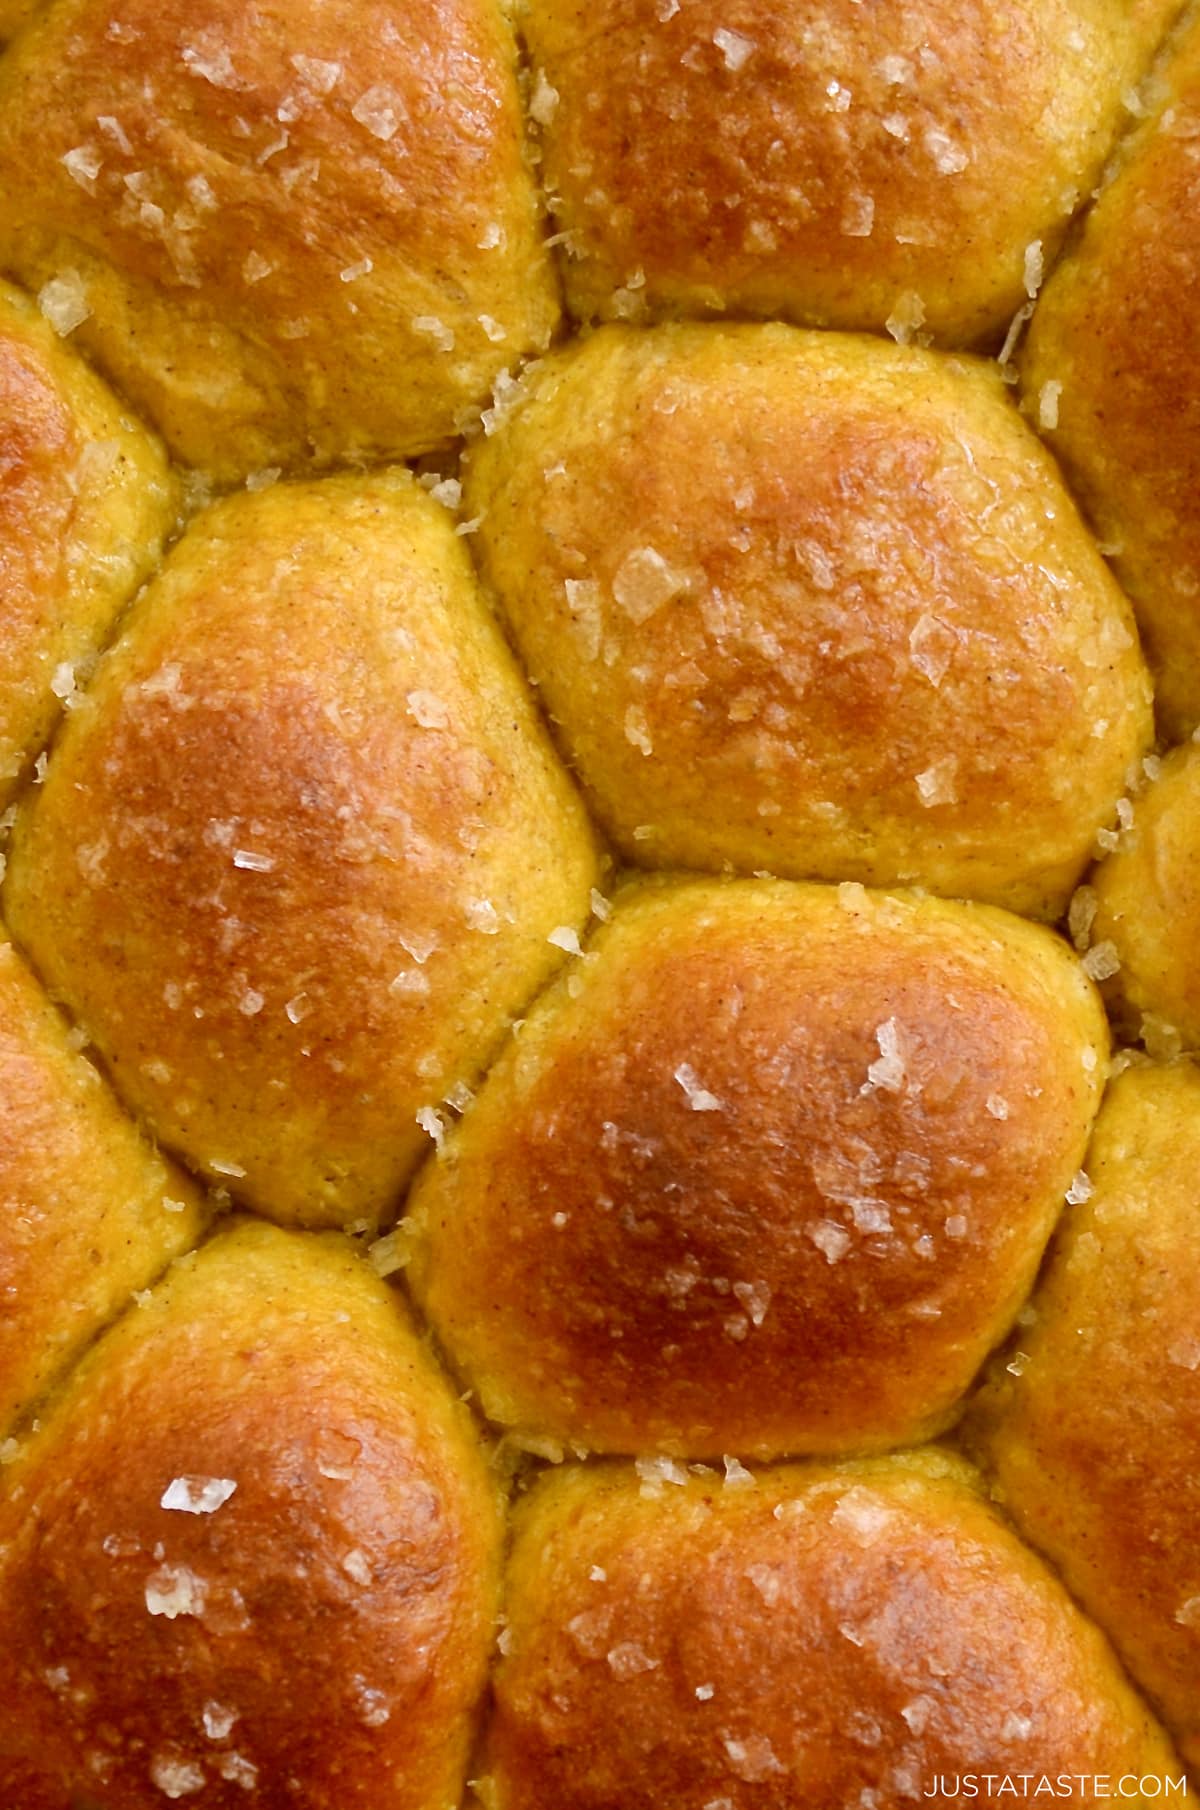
(628, 1660)
(322, 77)
(949, 158)
(174, 1590)
(357, 1566)
(655, 1472)
(565, 938)
(433, 327)
(889, 1071)
(352, 272)
(381, 110)
(255, 267)
(208, 58)
(197, 1495)
(933, 646)
(637, 730)
(698, 1097)
(1035, 268)
(430, 1120)
(735, 47)
(1081, 1189)
(736, 1474)
(752, 1759)
(428, 710)
(175, 1777)
(253, 861)
(644, 582)
(63, 302)
(938, 784)
(997, 1106)
(83, 164)
(482, 916)
(831, 1239)
(862, 1513)
(906, 318)
(1048, 397)
(1102, 962)
(543, 102)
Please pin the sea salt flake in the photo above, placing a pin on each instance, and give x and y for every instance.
(381, 110)
(766, 1581)
(352, 272)
(1188, 1614)
(933, 645)
(543, 102)
(83, 164)
(918, 1712)
(1048, 397)
(317, 74)
(755, 1297)
(862, 1513)
(1102, 962)
(218, 1721)
(629, 1660)
(175, 1777)
(752, 1759)
(938, 784)
(253, 861)
(949, 158)
(907, 317)
(858, 217)
(831, 1239)
(251, 1003)
(209, 59)
(431, 1121)
(698, 1097)
(1035, 268)
(174, 1590)
(997, 1106)
(357, 1566)
(736, 1474)
(63, 302)
(735, 47)
(637, 730)
(565, 938)
(655, 1472)
(644, 582)
(482, 916)
(889, 1072)
(428, 710)
(197, 1495)
(256, 268)
(433, 327)
(705, 1693)
(1081, 915)
(1081, 1189)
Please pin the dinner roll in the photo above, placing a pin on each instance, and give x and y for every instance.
(837, 164)
(1092, 1425)
(88, 1209)
(810, 1636)
(293, 235)
(1143, 911)
(297, 862)
(769, 1171)
(85, 499)
(251, 1558)
(1110, 372)
(812, 604)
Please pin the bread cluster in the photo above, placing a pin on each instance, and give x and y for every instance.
(599, 996)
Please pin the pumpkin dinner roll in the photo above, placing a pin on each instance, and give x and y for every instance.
(769, 1171)
(837, 164)
(1143, 911)
(860, 1634)
(85, 500)
(293, 234)
(1111, 375)
(298, 860)
(88, 1210)
(812, 604)
(1092, 1425)
(252, 1555)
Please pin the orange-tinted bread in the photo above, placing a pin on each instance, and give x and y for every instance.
(1111, 371)
(812, 604)
(770, 1172)
(1092, 1426)
(252, 1556)
(293, 234)
(1147, 910)
(838, 164)
(296, 863)
(88, 1210)
(85, 501)
(814, 1637)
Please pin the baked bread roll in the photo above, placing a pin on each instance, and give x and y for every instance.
(254, 1541)
(770, 1172)
(1110, 373)
(1142, 911)
(1091, 1424)
(86, 499)
(297, 862)
(294, 236)
(812, 604)
(458, 871)
(89, 1211)
(839, 165)
(817, 1635)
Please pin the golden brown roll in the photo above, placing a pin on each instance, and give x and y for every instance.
(1110, 373)
(1092, 1425)
(298, 861)
(1145, 928)
(252, 1556)
(293, 235)
(85, 500)
(837, 164)
(770, 1171)
(812, 604)
(88, 1209)
(859, 1634)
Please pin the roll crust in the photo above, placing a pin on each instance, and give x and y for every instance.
(89, 1211)
(834, 164)
(810, 1637)
(1113, 338)
(1090, 1426)
(814, 605)
(322, 1625)
(770, 1173)
(299, 234)
(86, 499)
(296, 864)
